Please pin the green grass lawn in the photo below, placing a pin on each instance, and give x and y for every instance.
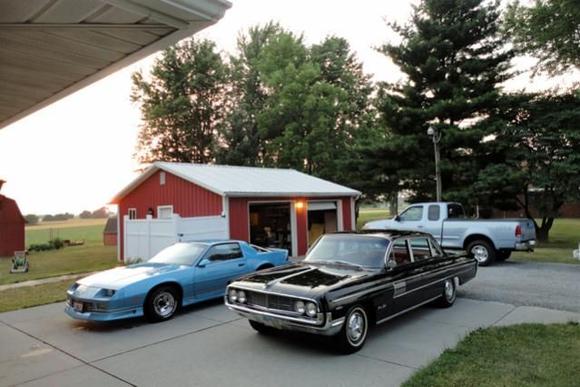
(89, 230)
(368, 214)
(69, 260)
(28, 296)
(519, 355)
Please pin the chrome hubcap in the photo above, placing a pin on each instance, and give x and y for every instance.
(449, 291)
(164, 304)
(479, 253)
(356, 327)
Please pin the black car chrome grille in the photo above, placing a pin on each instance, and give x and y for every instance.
(270, 301)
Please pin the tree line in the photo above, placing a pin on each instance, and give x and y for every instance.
(279, 102)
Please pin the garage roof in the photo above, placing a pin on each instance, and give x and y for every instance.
(233, 181)
(52, 48)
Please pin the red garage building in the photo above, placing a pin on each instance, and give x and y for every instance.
(269, 207)
(11, 226)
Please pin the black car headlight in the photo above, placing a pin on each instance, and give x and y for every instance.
(311, 309)
(299, 307)
(232, 295)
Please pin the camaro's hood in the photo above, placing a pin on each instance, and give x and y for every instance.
(305, 279)
(122, 276)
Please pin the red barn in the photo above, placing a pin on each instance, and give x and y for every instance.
(11, 226)
(269, 207)
(110, 232)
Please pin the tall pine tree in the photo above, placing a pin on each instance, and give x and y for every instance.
(454, 61)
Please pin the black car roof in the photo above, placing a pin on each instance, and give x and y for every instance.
(387, 233)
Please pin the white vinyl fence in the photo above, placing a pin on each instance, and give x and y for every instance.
(143, 238)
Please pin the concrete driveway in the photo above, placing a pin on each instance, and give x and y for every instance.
(548, 285)
(210, 346)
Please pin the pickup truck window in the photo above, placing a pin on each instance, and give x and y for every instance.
(400, 252)
(420, 248)
(455, 211)
(414, 213)
(433, 212)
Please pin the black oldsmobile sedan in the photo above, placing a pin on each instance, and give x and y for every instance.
(349, 281)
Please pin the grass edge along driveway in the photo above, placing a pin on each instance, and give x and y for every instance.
(517, 355)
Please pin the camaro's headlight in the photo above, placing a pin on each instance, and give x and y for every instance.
(232, 295)
(311, 309)
(299, 307)
(241, 297)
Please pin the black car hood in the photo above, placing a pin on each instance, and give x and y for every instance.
(304, 279)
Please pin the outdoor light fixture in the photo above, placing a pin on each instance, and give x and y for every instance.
(436, 137)
(299, 205)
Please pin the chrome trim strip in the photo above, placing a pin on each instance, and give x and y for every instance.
(408, 309)
(385, 286)
(235, 286)
(235, 307)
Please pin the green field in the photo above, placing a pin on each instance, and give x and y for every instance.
(519, 355)
(89, 230)
(368, 214)
(28, 296)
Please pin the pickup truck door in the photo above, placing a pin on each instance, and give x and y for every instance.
(434, 220)
(411, 218)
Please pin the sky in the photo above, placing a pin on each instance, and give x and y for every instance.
(77, 153)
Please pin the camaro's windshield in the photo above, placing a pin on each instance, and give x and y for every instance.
(360, 250)
(180, 254)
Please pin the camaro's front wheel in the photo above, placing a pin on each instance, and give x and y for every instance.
(161, 304)
(353, 335)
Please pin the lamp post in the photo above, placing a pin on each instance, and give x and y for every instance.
(436, 137)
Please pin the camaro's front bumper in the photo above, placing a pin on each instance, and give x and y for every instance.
(101, 315)
(526, 246)
(329, 327)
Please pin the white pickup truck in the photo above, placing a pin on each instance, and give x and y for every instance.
(487, 240)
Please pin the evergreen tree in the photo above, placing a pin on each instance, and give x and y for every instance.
(454, 60)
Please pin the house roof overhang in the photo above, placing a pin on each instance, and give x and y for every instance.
(52, 48)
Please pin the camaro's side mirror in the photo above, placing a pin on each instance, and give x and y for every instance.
(203, 263)
(397, 218)
(391, 264)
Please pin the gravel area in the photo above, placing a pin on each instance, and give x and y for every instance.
(548, 285)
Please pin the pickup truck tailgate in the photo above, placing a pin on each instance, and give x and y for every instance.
(528, 230)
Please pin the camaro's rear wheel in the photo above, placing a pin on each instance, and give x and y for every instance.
(353, 335)
(449, 293)
(162, 304)
(482, 251)
(261, 328)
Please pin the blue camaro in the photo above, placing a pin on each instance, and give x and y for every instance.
(180, 275)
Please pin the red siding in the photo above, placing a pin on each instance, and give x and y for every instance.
(11, 227)
(347, 214)
(187, 199)
(302, 228)
(109, 239)
(239, 219)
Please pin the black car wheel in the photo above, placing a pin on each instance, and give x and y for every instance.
(261, 328)
(449, 293)
(161, 304)
(353, 335)
(482, 251)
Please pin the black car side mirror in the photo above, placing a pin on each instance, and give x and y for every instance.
(397, 218)
(391, 264)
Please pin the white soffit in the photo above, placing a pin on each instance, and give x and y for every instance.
(52, 48)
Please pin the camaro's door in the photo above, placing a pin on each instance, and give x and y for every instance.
(221, 263)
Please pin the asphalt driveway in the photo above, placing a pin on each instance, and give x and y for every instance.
(210, 346)
(548, 285)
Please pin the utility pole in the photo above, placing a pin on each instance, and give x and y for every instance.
(436, 137)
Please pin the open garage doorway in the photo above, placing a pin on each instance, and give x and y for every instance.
(322, 219)
(270, 225)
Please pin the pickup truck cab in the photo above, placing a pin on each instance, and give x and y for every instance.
(487, 240)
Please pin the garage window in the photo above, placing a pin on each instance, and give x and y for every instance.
(164, 212)
(132, 212)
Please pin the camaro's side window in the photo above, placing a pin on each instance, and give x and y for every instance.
(421, 249)
(400, 252)
(414, 213)
(225, 252)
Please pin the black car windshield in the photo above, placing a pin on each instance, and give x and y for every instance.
(359, 250)
(180, 254)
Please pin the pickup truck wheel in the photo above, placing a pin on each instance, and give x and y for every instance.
(482, 251)
(449, 294)
(261, 328)
(353, 334)
(502, 255)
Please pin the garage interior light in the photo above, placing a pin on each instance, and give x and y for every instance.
(299, 205)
